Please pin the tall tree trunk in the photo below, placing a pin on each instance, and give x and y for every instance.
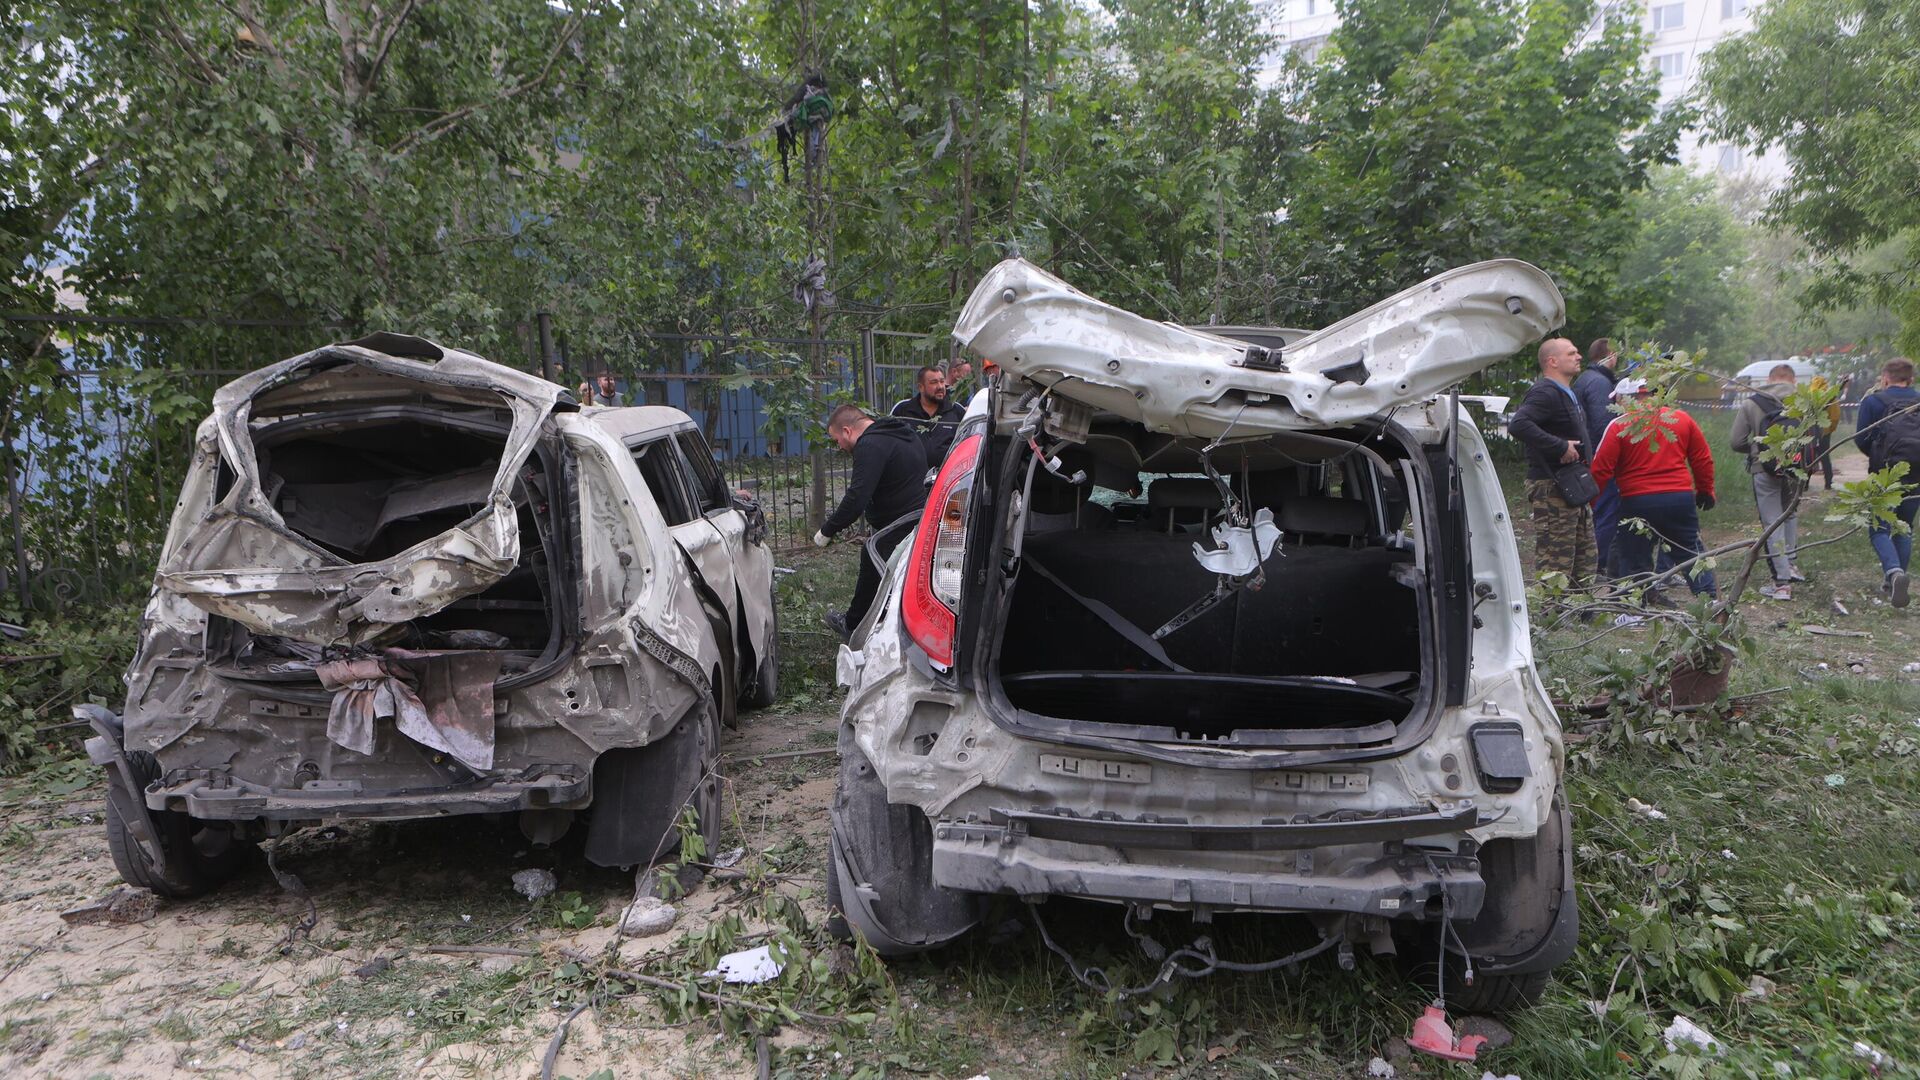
(813, 169)
(1026, 112)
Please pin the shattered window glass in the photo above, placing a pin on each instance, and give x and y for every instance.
(660, 468)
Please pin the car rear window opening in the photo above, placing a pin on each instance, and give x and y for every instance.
(1331, 640)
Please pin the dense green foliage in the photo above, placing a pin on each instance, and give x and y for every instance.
(449, 168)
(1832, 84)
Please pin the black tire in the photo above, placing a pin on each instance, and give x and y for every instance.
(1493, 993)
(765, 687)
(197, 856)
(880, 868)
(1528, 922)
(707, 797)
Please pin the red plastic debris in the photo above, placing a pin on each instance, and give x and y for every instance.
(1433, 1035)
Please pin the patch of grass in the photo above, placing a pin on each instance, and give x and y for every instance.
(822, 582)
(109, 1045)
(175, 1026)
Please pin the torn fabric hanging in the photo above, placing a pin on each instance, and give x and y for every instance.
(439, 700)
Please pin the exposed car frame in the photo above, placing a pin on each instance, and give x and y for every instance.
(1434, 819)
(405, 582)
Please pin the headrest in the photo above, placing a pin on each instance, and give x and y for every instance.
(1319, 514)
(1183, 493)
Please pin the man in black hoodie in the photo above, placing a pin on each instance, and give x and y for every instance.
(1594, 388)
(1553, 427)
(889, 482)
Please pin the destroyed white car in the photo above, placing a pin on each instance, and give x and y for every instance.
(404, 582)
(1217, 621)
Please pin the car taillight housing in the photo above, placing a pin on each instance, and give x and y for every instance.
(934, 576)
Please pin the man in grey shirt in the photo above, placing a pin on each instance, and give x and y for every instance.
(1773, 491)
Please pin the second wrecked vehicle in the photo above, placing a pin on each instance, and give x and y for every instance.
(1226, 621)
(404, 582)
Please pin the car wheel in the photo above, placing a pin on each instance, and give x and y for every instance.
(196, 856)
(880, 868)
(766, 679)
(1527, 926)
(707, 796)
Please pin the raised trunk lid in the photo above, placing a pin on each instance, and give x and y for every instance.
(242, 561)
(1190, 382)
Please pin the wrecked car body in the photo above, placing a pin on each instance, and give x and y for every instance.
(1217, 623)
(402, 582)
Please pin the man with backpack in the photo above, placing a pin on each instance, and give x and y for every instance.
(1776, 487)
(1889, 431)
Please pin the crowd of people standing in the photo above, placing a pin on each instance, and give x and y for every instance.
(1616, 493)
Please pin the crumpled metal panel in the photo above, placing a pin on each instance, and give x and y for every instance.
(1188, 382)
(242, 561)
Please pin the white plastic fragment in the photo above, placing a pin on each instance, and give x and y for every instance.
(1488, 1075)
(1646, 810)
(1867, 1053)
(534, 884)
(726, 860)
(1727, 854)
(747, 966)
(1911, 668)
(1381, 1069)
(1684, 1032)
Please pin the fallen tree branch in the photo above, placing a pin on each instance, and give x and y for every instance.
(785, 754)
(559, 1039)
(482, 950)
(1601, 708)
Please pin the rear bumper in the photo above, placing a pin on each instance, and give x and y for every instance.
(217, 795)
(1273, 867)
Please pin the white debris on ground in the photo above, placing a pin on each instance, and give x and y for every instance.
(1488, 1075)
(1684, 1032)
(1381, 1070)
(1646, 810)
(748, 966)
(647, 916)
(534, 884)
(1867, 1053)
(727, 860)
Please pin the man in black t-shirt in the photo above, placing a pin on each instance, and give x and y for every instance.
(932, 415)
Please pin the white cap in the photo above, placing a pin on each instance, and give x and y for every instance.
(1626, 388)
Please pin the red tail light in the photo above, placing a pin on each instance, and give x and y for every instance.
(939, 557)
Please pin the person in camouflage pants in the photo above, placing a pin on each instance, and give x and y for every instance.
(1553, 428)
(1563, 534)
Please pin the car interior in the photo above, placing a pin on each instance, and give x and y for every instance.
(1330, 638)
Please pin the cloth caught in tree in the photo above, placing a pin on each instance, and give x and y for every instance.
(810, 290)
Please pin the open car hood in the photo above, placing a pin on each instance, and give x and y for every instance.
(1404, 349)
(241, 560)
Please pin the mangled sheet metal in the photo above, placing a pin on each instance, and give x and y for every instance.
(243, 560)
(1183, 381)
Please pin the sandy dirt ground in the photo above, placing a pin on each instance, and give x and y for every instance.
(204, 988)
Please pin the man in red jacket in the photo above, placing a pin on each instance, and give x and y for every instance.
(1665, 479)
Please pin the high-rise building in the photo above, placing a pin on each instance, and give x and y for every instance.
(1679, 34)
